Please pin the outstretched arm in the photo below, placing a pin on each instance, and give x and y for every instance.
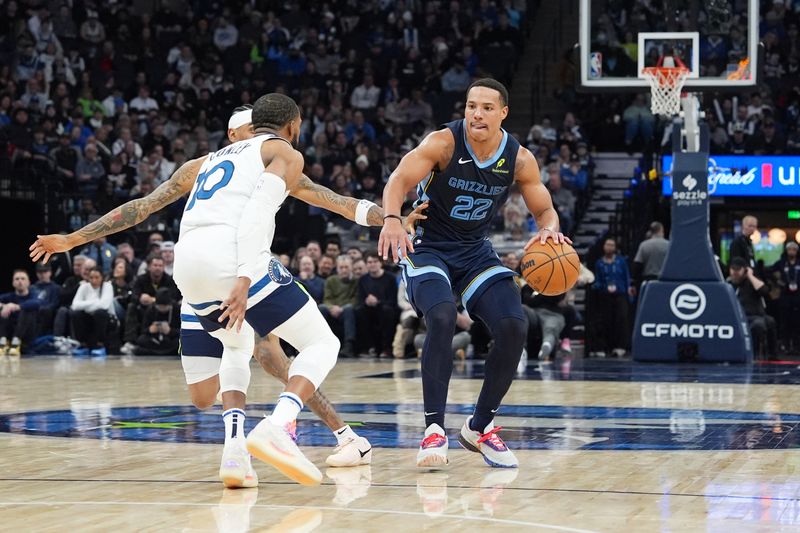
(320, 196)
(123, 217)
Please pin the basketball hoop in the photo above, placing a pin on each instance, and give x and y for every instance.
(665, 88)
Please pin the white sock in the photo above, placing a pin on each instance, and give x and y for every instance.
(344, 434)
(286, 410)
(234, 426)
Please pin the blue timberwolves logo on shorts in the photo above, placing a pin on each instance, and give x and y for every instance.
(279, 274)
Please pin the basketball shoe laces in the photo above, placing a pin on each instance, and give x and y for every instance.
(494, 439)
(434, 440)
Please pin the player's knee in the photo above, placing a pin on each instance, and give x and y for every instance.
(512, 330)
(317, 359)
(203, 401)
(441, 317)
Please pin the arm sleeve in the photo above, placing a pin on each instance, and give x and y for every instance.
(258, 221)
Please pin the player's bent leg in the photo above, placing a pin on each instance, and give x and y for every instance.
(434, 298)
(499, 306)
(236, 470)
(271, 440)
(204, 393)
(352, 449)
(201, 355)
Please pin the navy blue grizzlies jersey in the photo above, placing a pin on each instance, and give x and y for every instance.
(465, 195)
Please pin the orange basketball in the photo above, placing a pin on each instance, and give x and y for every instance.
(551, 269)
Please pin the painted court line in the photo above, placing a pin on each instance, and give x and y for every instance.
(312, 507)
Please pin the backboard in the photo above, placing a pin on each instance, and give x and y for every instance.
(717, 40)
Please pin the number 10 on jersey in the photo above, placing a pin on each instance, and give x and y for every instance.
(201, 193)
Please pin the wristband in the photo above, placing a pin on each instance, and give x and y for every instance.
(398, 217)
(362, 209)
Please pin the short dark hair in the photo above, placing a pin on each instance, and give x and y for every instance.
(274, 111)
(153, 257)
(656, 227)
(17, 270)
(492, 83)
(373, 255)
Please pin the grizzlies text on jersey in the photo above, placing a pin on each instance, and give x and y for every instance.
(465, 196)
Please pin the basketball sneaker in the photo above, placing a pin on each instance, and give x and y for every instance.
(433, 449)
(489, 445)
(274, 445)
(236, 471)
(356, 451)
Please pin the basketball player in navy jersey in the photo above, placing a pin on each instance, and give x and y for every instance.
(464, 170)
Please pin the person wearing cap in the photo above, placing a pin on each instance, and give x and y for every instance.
(168, 255)
(751, 292)
(102, 252)
(786, 272)
(49, 294)
(161, 326)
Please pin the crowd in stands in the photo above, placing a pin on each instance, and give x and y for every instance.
(134, 306)
(102, 101)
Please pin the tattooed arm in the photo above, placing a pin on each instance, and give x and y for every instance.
(123, 217)
(319, 196)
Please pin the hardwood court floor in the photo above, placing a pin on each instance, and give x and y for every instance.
(606, 446)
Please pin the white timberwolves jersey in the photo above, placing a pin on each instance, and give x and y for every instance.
(224, 185)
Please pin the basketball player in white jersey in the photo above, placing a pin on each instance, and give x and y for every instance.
(201, 371)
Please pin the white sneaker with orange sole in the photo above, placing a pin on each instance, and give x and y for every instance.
(274, 445)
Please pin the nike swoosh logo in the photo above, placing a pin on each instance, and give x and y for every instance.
(364, 452)
(430, 414)
(493, 411)
(462, 162)
(341, 432)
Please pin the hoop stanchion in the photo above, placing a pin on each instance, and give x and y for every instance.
(665, 88)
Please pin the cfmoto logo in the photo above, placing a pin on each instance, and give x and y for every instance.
(687, 301)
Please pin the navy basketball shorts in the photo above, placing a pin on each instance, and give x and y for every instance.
(469, 268)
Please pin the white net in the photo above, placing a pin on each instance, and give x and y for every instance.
(665, 88)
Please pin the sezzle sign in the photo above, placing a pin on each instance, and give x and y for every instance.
(744, 175)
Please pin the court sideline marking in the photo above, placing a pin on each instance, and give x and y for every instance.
(311, 507)
(408, 486)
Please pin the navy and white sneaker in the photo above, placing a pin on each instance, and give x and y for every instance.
(488, 444)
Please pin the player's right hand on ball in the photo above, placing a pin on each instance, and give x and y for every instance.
(47, 245)
(395, 239)
(235, 305)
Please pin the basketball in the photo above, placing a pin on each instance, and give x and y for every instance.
(551, 269)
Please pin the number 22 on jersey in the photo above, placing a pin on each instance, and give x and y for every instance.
(200, 192)
(469, 208)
